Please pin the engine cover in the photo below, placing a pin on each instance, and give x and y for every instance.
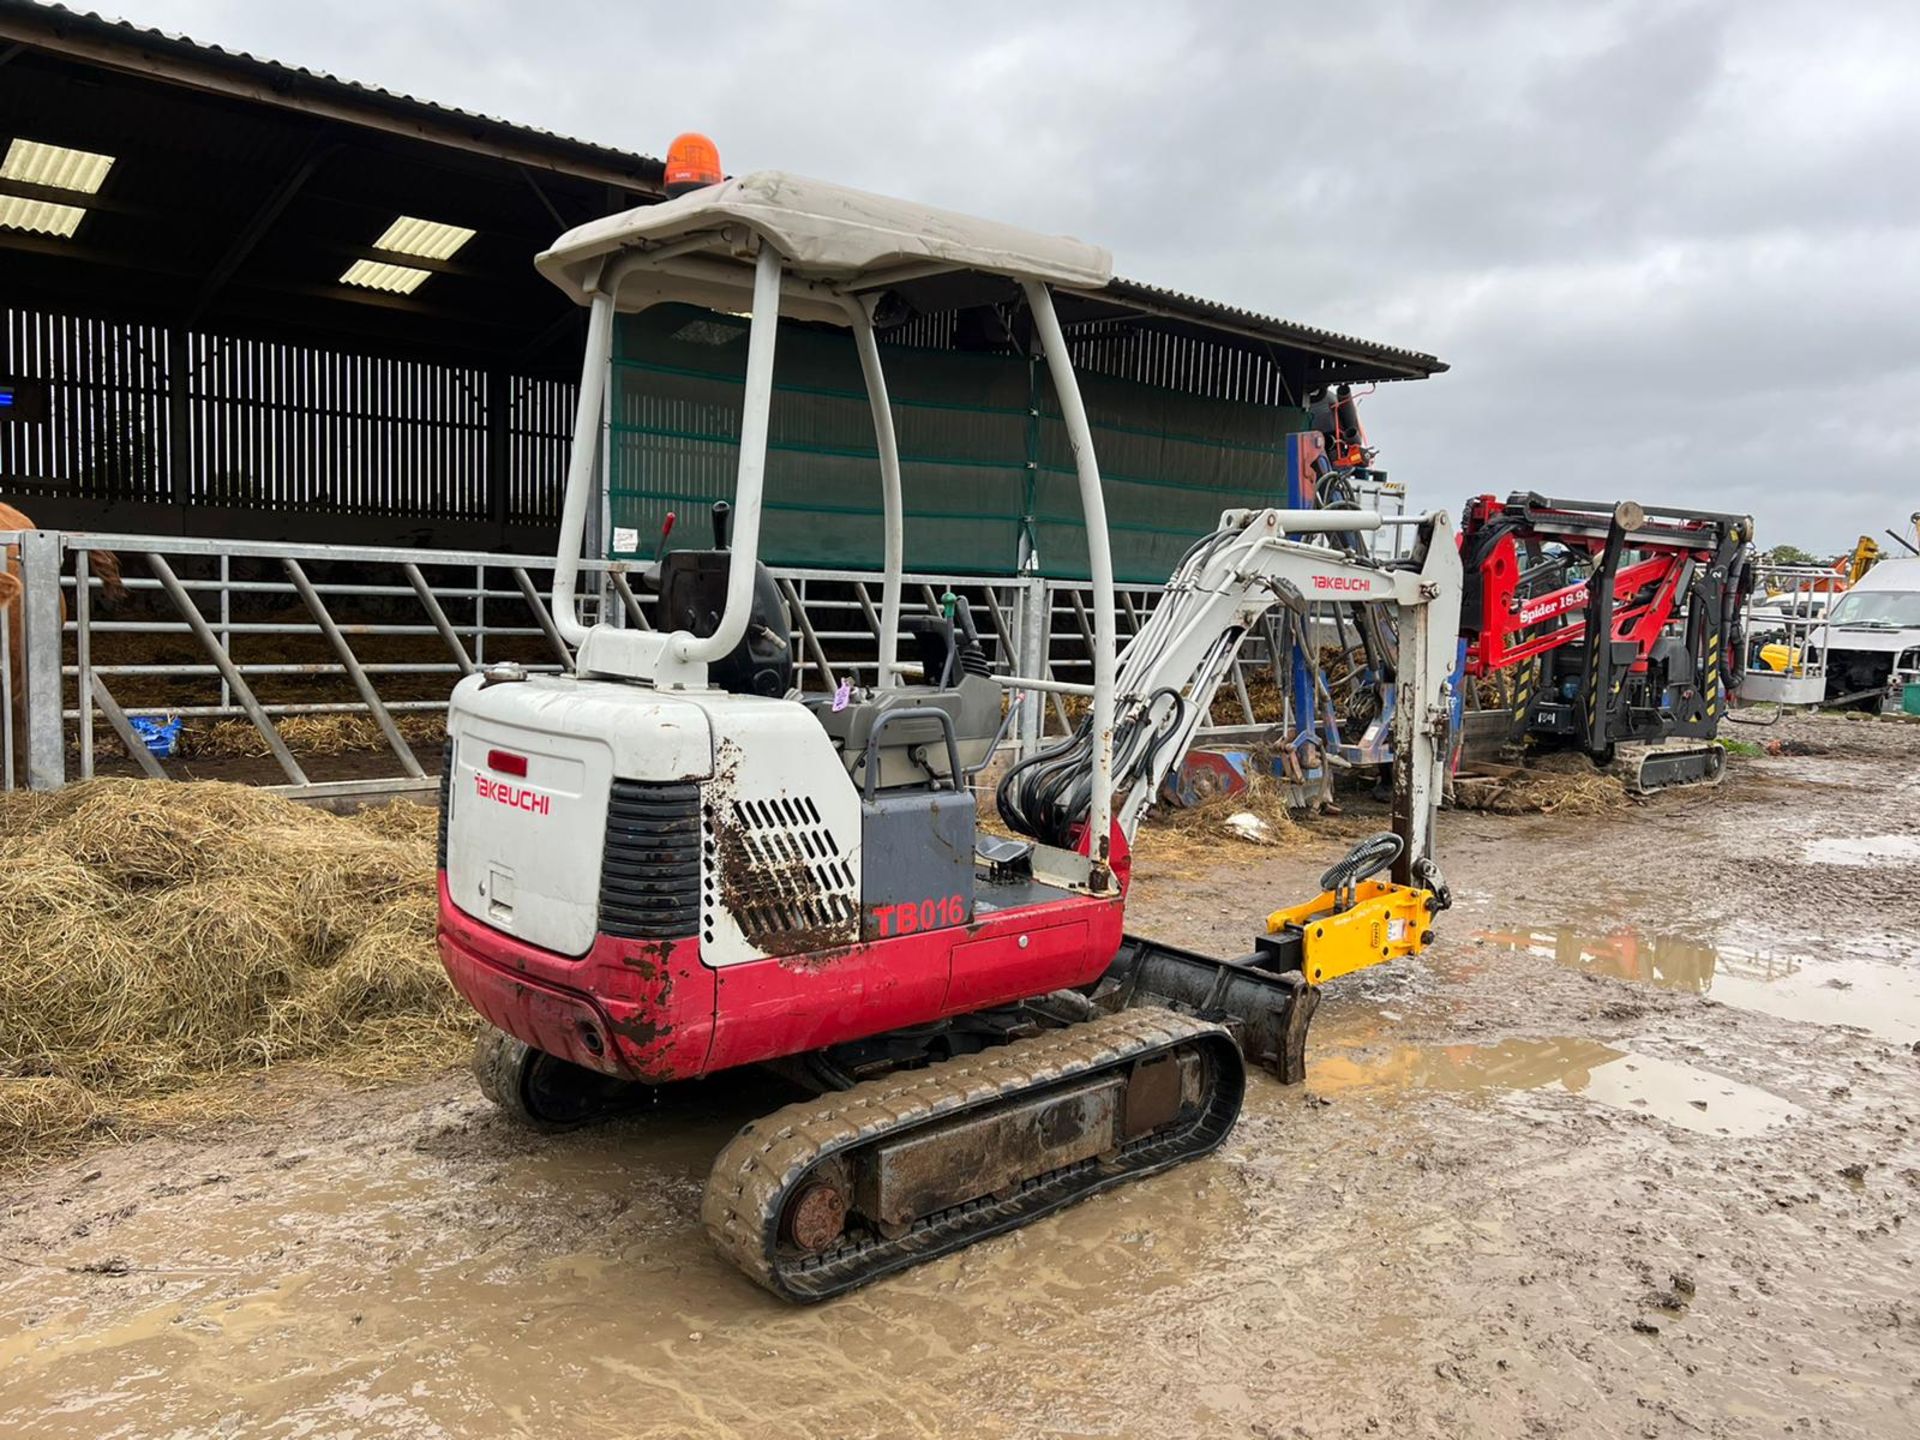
(532, 768)
(582, 807)
(783, 851)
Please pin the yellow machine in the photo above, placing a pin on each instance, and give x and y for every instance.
(1866, 551)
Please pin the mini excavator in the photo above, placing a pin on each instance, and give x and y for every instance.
(671, 862)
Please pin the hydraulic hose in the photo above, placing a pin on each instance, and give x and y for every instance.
(1048, 796)
(1368, 858)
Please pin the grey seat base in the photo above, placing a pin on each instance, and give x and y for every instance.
(913, 751)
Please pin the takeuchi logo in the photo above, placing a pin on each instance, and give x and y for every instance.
(515, 797)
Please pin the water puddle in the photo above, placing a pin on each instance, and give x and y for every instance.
(1878, 995)
(1862, 849)
(1682, 1095)
(564, 1288)
(1686, 1096)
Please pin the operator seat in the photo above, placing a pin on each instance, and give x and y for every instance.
(693, 596)
(913, 752)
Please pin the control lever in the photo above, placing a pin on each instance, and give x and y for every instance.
(722, 522)
(963, 612)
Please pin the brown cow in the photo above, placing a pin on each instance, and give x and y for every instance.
(13, 616)
(103, 563)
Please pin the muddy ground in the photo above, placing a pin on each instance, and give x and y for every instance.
(1633, 1151)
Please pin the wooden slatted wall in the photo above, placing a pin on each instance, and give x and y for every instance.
(113, 411)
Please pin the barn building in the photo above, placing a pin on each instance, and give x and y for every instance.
(276, 340)
(241, 299)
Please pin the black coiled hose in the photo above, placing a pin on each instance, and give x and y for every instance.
(1048, 796)
(1368, 858)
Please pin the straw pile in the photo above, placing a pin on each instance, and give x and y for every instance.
(339, 734)
(1557, 783)
(1194, 834)
(155, 937)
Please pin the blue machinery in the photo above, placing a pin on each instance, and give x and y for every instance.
(1317, 741)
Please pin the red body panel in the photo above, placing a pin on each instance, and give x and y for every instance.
(991, 972)
(661, 1015)
(1645, 593)
(650, 1001)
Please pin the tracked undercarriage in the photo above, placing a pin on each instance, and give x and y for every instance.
(831, 1193)
(922, 1142)
(1644, 769)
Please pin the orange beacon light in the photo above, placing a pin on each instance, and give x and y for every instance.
(693, 163)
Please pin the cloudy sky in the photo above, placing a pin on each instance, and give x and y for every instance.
(1671, 250)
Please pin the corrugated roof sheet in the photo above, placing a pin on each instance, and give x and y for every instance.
(433, 239)
(1269, 326)
(55, 166)
(1132, 293)
(279, 74)
(44, 217)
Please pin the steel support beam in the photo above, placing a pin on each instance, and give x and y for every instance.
(40, 574)
(137, 749)
(808, 637)
(351, 662)
(1030, 658)
(210, 642)
(543, 617)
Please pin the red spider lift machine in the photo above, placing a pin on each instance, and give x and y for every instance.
(1610, 628)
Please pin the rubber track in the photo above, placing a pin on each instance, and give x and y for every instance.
(753, 1176)
(1630, 760)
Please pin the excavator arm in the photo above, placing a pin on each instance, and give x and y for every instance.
(1217, 596)
(1167, 678)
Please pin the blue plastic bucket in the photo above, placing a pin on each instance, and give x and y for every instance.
(159, 736)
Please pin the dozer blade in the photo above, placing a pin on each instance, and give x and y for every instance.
(1644, 769)
(1263, 999)
(829, 1194)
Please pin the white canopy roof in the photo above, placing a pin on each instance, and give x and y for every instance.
(828, 234)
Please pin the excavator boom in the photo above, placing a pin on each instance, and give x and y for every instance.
(1216, 597)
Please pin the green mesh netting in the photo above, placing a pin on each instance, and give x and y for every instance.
(1169, 464)
(975, 461)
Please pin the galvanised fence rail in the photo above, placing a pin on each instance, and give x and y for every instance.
(263, 632)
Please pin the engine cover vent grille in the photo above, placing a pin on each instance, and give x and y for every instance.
(781, 875)
(650, 870)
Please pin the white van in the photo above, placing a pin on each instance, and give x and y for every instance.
(1871, 640)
